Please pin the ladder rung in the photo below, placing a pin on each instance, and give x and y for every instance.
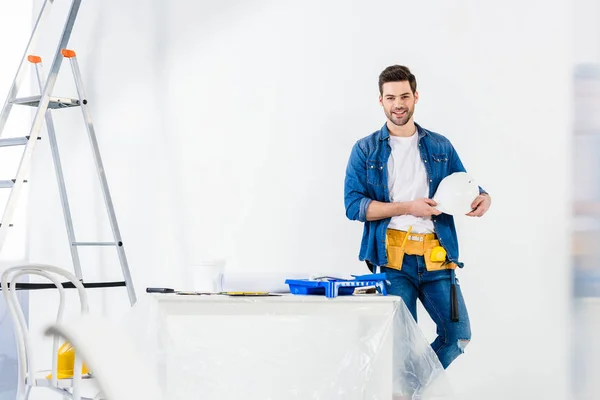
(16, 141)
(8, 183)
(94, 244)
(55, 102)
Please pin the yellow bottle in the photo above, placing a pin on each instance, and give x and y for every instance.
(66, 362)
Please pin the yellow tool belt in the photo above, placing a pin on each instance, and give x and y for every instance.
(399, 243)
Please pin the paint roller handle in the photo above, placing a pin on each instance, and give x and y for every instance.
(454, 304)
(159, 290)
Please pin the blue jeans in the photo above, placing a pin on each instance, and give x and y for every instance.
(433, 289)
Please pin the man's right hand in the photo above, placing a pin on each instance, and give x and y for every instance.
(423, 208)
(419, 208)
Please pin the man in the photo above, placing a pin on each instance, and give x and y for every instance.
(390, 179)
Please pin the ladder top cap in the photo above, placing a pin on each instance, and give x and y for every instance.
(34, 59)
(68, 53)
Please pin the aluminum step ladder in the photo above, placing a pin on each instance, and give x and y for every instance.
(45, 103)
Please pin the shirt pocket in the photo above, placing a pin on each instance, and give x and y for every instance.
(440, 158)
(375, 172)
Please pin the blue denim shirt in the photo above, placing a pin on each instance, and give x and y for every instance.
(366, 180)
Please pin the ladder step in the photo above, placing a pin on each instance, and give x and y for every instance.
(55, 102)
(7, 184)
(94, 244)
(16, 141)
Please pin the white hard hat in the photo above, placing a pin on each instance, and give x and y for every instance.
(456, 193)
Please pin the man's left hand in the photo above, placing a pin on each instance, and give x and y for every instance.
(480, 205)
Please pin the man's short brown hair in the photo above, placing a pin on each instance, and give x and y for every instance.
(397, 73)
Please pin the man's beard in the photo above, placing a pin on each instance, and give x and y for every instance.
(400, 121)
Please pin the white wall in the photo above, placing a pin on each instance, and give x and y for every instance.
(226, 128)
(14, 25)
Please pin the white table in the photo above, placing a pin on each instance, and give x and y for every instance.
(286, 347)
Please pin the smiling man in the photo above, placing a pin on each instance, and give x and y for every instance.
(391, 177)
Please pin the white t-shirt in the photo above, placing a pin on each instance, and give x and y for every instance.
(407, 180)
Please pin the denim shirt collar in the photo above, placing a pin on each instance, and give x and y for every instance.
(384, 133)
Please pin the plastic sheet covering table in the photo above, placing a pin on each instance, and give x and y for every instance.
(286, 347)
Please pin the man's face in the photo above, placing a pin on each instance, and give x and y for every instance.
(398, 102)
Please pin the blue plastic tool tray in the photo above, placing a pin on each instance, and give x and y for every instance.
(333, 287)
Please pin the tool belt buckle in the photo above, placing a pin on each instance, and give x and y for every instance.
(415, 238)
